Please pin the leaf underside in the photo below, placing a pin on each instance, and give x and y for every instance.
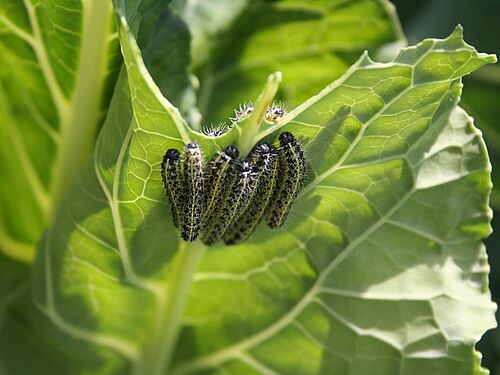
(380, 268)
(59, 63)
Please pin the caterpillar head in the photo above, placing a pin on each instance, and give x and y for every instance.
(232, 152)
(172, 154)
(286, 138)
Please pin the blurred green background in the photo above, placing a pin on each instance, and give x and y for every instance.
(481, 98)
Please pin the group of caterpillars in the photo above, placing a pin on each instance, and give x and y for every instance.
(227, 199)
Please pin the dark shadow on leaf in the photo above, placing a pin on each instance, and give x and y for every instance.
(155, 241)
(317, 150)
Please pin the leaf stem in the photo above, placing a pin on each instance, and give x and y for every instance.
(250, 128)
(158, 354)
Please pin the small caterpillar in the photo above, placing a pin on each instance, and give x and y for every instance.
(242, 112)
(264, 161)
(275, 113)
(216, 182)
(171, 175)
(292, 168)
(193, 197)
(216, 130)
(240, 189)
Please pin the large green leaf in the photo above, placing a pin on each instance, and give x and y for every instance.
(380, 268)
(480, 99)
(59, 61)
(311, 42)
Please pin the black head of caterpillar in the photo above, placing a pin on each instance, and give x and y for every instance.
(241, 185)
(193, 192)
(275, 113)
(264, 162)
(216, 183)
(242, 112)
(290, 179)
(171, 175)
(216, 130)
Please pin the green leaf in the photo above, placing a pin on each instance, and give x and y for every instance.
(312, 43)
(23, 350)
(380, 268)
(207, 20)
(59, 62)
(482, 89)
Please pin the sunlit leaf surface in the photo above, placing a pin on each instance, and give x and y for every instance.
(380, 268)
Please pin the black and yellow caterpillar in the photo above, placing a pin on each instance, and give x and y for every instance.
(228, 199)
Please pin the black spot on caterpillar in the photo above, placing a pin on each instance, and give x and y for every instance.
(264, 161)
(292, 168)
(171, 175)
(216, 182)
(241, 185)
(193, 188)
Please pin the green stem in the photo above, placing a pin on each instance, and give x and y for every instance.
(158, 354)
(250, 128)
(80, 120)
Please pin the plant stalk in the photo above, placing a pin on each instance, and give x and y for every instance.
(158, 354)
(250, 128)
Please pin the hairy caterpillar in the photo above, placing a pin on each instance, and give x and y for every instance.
(216, 130)
(171, 175)
(275, 113)
(216, 178)
(242, 112)
(193, 197)
(264, 161)
(292, 168)
(241, 183)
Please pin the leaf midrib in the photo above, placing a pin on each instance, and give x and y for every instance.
(80, 120)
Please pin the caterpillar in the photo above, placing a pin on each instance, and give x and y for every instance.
(241, 183)
(171, 175)
(216, 182)
(275, 113)
(242, 112)
(292, 168)
(216, 130)
(193, 187)
(264, 161)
